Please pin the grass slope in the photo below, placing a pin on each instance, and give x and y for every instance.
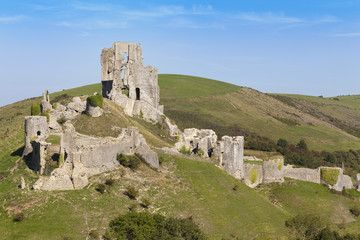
(181, 187)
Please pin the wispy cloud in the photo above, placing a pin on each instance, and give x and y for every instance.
(187, 23)
(93, 24)
(327, 19)
(353, 34)
(268, 17)
(91, 6)
(11, 19)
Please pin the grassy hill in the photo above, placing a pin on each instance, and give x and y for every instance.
(184, 188)
(227, 108)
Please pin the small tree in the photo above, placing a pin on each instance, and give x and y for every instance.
(132, 192)
(302, 144)
(282, 143)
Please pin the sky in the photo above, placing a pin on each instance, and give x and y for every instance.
(307, 47)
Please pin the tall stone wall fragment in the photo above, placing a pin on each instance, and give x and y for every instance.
(231, 155)
(303, 174)
(273, 170)
(36, 127)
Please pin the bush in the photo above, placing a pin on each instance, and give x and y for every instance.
(95, 100)
(201, 152)
(131, 192)
(130, 161)
(282, 143)
(305, 226)
(330, 176)
(93, 234)
(110, 182)
(19, 217)
(133, 206)
(144, 225)
(61, 120)
(253, 175)
(279, 166)
(146, 203)
(101, 188)
(54, 105)
(235, 187)
(35, 109)
(183, 150)
(355, 210)
(46, 114)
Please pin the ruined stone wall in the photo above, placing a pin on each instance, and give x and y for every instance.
(273, 170)
(231, 152)
(303, 174)
(253, 174)
(36, 127)
(122, 68)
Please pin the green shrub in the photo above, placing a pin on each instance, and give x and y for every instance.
(329, 175)
(19, 217)
(61, 120)
(305, 226)
(279, 166)
(144, 225)
(253, 175)
(93, 234)
(141, 114)
(146, 203)
(131, 192)
(35, 109)
(355, 210)
(95, 100)
(125, 91)
(183, 150)
(110, 182)
(133, 206)
(201, 152)
(130, 161)
(163, 116)
(101, 188)
(54, 105)
(46, 114)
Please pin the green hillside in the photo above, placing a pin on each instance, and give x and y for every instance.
(228, 109)
(183, 188)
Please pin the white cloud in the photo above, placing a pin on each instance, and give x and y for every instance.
(91, 6)
(268, 17)
(11, 19)
(187, 23)
(353, 34)
(92, 24)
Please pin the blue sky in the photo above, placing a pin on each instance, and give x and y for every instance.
(286, 46)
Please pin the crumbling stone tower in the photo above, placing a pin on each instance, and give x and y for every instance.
(123, 73)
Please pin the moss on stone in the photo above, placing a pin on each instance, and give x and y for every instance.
(253, 175)
(330, 176)
(280, 166)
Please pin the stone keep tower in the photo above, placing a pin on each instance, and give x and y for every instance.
(123, 71)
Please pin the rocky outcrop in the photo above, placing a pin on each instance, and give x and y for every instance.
(77, 105)
(93, 111)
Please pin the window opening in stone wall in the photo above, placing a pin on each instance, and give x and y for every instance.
(137, 93)
(125, 57)
(38, 133)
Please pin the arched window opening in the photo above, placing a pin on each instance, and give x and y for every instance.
(137, 93)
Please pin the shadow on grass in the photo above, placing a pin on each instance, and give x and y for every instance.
(18, 152)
